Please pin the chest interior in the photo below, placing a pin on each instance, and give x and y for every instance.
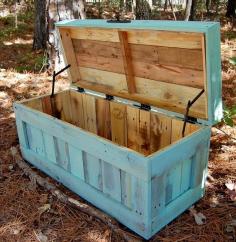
(143, 131)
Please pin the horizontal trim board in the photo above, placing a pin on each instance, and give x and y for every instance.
(121, 157)
(188, 26)
(144, 37)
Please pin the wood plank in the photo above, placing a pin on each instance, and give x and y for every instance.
(35, 103)
(127, 61)
(35, 139)
(69, 55)
(126, 186)
(77, 110)
(132, 128)
(144, 132)
(103, 118)
(49, 147)
(186, 175)
(163, 95)
(93, 171)
(111, 181)
(90, 120)
(160, 133)
(145, 37)
(76, 162)
(118, 123)
(47, 105)
(62, 106)
(62, 153)
(171, 65)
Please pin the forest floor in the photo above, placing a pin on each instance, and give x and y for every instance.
(22, 213)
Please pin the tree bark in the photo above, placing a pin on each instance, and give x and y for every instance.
(188, 10)
(231, 7)
(40, 26)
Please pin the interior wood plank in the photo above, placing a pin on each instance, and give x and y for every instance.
(77, 112)
(127, 61)
(172, 65)
(132, 128)
(62, 106)
(146, 37)
(35, 103)
(90, 120)
(103, 118)
(144, 132)
(160, 131)
(69, 55)
(118, 123)
(163, 95)
(47, 105)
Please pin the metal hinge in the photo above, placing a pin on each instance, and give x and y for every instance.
(142, 106)
(80, 89)
(109, 97)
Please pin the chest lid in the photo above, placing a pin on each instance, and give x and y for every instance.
(164, 64)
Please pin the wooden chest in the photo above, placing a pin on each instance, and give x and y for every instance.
(132, 134)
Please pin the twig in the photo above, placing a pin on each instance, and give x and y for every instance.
(229, 136)
(83, 207)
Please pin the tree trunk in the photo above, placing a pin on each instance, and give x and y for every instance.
(231, 7)
(40, 26)
(188, 10)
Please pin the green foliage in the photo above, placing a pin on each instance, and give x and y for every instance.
(229, 113)
(232, 60)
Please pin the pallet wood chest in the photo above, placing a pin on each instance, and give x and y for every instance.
(132, 133)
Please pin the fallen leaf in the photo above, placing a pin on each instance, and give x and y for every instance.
(231, 186)
(44, 208)
(41, 237)
(200, 218)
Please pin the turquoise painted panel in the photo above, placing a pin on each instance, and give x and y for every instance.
(111, 181)
(93, 170)
(22, 135)
(173, 183)
(96, 197)
(158, 198)
(76, 162)
(122, 158)
(186, 175)
(49, 147)
(62, 153)
(35, 139)
(126, 186)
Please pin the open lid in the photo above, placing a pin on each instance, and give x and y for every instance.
(164, 64)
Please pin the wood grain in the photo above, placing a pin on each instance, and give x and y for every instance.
(127, 61)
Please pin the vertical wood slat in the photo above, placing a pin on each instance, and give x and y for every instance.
(90, 120)
(118, 123)
(22, 132)
(49, 147)
(35, 139)
(47, 105)
(127, 61)
(92, 171)
(160, 136)
(77, 110)
(103, 118)
(69, 55)
(62, 153)
(173, 183)
(158, 189)
(144, 132)
(132, 128)
(186, 175)
(111, 181)
(76, 162)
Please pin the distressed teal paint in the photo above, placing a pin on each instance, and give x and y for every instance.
(137, 193)
(143, 193)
